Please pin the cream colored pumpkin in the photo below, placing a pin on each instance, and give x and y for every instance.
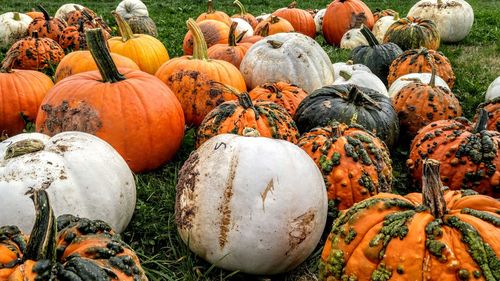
(64, 10)
(82, 174)
(291, 57)
(131, 8)
(404, 80)
(362, 78)
(13, 26)
(493, 90)
(243, 26)
(262, 17)
(453, 18)
(381, 26)
(348, 67)
(318, 20)
(252, 204)
(352, 39)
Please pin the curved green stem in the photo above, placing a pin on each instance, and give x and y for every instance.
(243, 11)
(432, 188)
(102, 56)
(200, 49)
(372, 40)
(124, 28)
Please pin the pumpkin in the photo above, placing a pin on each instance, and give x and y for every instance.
(47, 26)
(380, 27)
(349, 104)
(301, 20)
(232, 52)
(82, 61)
(453, 18)
(243, 29)
(262, 17)
(212, 14)
(287, 95)
(227, 192)
(433, 235)
(21, 93)
(243, 14)
(214, 32)
(352, 39)
(145, 50)
(378, 57)
(73, 38)
(132, 8)
(289, 57)
(406, 79)
(378, 14)
(492, 107)
(342, 15)
(143, 25)
(422, 60)
(419, 104)
(318, 20)
(69, 248)
(117, 107)
(13, 26)
(33, 14)
(361, 78)
(266, 117)
(348, 67)
(82, 174)
(355, 163)
(253, 39)
(193, 79)
(493, 89)
(65, 9)
(89, 19)
(413, 33)
(469, 154)
(273, 25)
(36, 53)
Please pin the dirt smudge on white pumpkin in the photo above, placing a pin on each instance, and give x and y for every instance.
(81, 117)
(225, 208)
(185, 204)
(263, 195)
(299, 229)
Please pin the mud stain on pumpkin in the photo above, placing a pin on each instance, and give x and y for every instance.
(225, 207)
(62, 118)
(185, 204)
(299, 229)
(263, 195)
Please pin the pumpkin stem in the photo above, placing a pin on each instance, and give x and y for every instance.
(359, 98)
(232, 30)
(23, 147)
(336, 132)
(243, 11)
(274, 19)
(250, 132)
(123, 27)
(80, 25)
(271, 87)
(200, 49)
(344, 74)
(9, 60)
(16, 16)
(372, 40)
(292, 5)
(396, 16)
(264, 31)
(482, 121)
(34, 34)
(275, 44)
(240, 36)
(432, 83)
(102, 57)
(210, 9)
(46, 15)
(245, 101)
(349, 62)
(42, 242)
(432, 188)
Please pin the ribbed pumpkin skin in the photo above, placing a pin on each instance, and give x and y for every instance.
(349, 104)
(342, 15)
(301, 20)
(355, 163)
(268, 118)
(383, 13)
(390, 237)
(143, 25)
(413, 33)
(469, 160)
(244, 15)
(287, 95)
(47, 27)
(214, 32)
(212, 14)
(276, 25)
(493, 109)
(37, 53)
(231, 54)
(82, 61)
(420, 61)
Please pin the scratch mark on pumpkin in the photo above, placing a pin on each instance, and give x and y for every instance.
(269, 188)
(299, 230)
(225, 207)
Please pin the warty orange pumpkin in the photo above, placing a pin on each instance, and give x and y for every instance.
(287, 95)
(492, 107)
(47, 26)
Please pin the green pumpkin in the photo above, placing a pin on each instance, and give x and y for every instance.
(413, 33)
(143, 25)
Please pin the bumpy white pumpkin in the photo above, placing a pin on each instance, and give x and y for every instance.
(412, 77)
(453, 18)
(290, 57)
(252, 204)
(381, 26)
(262, 17)
(352, 39)
(318, 20)
(348, 67)
(82, 174)
(132, 8)
(64, 10)
(243, 26)
(493, 90)
(13, 26)
(362, 78)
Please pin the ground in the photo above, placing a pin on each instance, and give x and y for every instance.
(152, 232)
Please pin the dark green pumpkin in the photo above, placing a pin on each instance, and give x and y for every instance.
(143, 25)
(349, 104)
(413, 33)
(378, 57)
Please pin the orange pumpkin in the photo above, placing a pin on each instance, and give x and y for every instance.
(132, 110)
(47, 26)
(145, 50)
(73, 38)
(82, 61)
(21, 93)
(193, 79)
(243, 14)
(34, 14)
(37, 53)
(287, 95)
(255, 38)
(273, 25)
(343, 15)
(214, 32)
(212, 14)
(89, 20)
(301, 20)
(492, 107)
(232, 52)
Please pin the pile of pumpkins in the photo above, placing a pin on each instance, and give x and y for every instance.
(284, 137)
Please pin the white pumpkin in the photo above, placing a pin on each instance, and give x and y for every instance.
(13, 26)
(82, 174)
(252, 204)
(414, 77)
(64, 10)
(362, 78)
(289, 57)
(132, 8)
(348, 67)
(380, 27)
(493, 90)
(453, 18)
(243, 26)
(262, 17)
(352, 39)
(318, 20)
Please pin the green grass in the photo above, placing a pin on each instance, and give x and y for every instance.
(152, 232)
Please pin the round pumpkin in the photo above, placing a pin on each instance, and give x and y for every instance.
(13, 26)
(132, 8)
(243, 14)
(287, 95)
(352, 39)
(273, 25)
(301, 20)
(65, 9)
(378, 14)
(492, 107)
(228, 192)
(243, 29)
(421, 236)
(421, 60)
(73, 38)
(33, 14)
(21, 93)
(132, 110)
(361, 78)
(194, 79)
(349, 104)
(36, 53)
(143, 25)
(212, 14)
(349, 67)
(89, 19)
(355, 163)
(214, 32)
(382, 25)
(469, 154)
(413, 33)
(493, 89)
(415, 77)
(145, 50)
(232, 52)
(47, 26)
(342, 15)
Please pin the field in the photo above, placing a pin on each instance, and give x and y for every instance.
(152, 232)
